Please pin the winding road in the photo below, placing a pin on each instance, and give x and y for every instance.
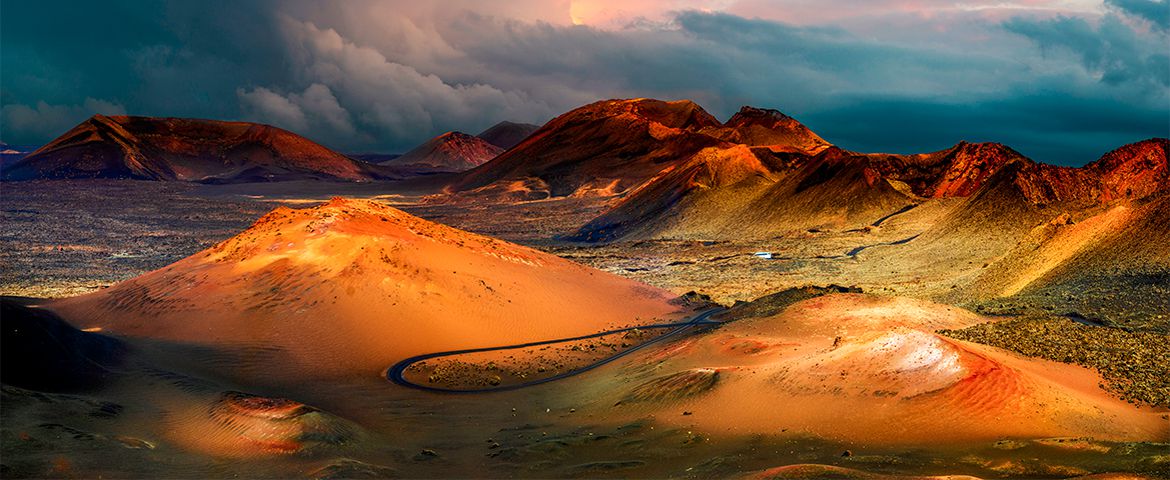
(394, 373)
(853, 253)
(905, 209)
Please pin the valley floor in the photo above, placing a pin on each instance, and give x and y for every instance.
(63, 238)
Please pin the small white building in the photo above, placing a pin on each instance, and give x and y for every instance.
(764, 255)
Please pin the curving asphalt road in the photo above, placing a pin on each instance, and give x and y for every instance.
(853, 253)
(394, 373)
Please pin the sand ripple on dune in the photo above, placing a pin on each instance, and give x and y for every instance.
(687, 383)
(236, 424)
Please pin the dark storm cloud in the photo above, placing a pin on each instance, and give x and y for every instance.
(149, 58)
(1088, 127)
(366, 75)
(1112, 49)
(1155, 12)
(722, 61)
(860, 94)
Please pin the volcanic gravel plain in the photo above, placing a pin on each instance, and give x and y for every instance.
(667, 411)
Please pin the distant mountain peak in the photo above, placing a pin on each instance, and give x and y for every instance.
(184, 149)
(508, 134)
(750, 112)
(452, 151)
(765, 127)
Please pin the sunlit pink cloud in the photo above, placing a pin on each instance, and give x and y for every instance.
(620, 13)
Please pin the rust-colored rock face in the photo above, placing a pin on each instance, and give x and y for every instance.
(967, 166)
(1135, 170)
(450, 152)
(761, 127)
(185, 149)
(958, 171)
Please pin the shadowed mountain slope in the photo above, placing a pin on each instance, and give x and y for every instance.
(507, 134)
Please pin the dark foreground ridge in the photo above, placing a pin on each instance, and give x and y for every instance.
(41, 351)
(394, 373)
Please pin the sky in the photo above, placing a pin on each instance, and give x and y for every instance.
(1061, 81)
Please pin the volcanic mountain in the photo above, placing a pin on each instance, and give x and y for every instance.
(507, 134)
(615, 146)
(10, 154)
(608, 146)
(186, 149)
(1039, 225)
(449, 152)
(352, 286)
(843, 190)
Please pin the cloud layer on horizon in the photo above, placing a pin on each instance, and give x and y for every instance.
(1060, 80)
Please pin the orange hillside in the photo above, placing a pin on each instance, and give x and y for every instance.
(353, 286)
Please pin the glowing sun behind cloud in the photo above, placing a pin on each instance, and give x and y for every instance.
(610, 13)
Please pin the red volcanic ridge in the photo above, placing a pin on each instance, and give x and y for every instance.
(617, 146)
(186, 149)
(724, 192)
(607, 146)
(449, 152)
(680, 173)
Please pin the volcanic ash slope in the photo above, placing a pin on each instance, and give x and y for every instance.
(353, 286)
(872, 370)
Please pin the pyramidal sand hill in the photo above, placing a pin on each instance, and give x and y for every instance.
(351, 286)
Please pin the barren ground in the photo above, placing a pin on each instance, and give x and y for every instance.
(64, 238)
